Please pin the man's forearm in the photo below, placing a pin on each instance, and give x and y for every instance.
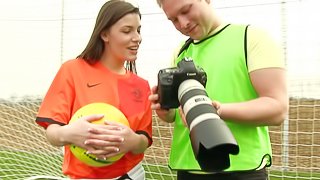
(261, 111)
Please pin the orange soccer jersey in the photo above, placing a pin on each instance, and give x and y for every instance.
(77, 84)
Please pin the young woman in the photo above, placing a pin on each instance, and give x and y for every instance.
(98, 74)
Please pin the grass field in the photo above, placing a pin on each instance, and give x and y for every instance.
(21, 165)
(24, 150)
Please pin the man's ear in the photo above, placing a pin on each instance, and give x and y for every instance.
(104, 36)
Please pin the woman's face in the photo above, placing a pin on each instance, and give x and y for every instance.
(123, 38)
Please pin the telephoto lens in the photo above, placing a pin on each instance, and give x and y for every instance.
(211, 139)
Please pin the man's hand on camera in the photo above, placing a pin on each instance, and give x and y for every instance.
(164, 114)
(217, 105)
(183, 117)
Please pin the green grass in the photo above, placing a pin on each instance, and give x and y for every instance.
(277, 175)
(158, 172)
(20, 165)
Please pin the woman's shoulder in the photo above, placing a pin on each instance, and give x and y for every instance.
(74, 66)
(74, 62)
(140, 80)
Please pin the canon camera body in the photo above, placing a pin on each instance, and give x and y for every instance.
(169, 80)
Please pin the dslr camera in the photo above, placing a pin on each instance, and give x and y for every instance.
(169, 80)
(211, 139)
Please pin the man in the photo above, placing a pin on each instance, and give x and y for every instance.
(246, 82)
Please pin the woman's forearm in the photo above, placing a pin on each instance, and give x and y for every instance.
(57, 135)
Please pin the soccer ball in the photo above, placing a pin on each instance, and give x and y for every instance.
(111, 113)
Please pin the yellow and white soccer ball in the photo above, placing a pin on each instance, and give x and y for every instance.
(111, 113)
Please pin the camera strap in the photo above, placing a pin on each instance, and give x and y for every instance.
(185, 46)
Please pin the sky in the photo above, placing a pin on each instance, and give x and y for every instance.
(37, 36)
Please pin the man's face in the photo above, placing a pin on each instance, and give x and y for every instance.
(190, 17)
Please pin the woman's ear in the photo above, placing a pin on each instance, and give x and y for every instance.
(104, 36)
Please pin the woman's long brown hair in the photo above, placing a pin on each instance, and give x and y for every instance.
(109, 14)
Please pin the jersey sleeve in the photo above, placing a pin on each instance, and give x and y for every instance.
(263, 50)
(57, 103)
(145, 125)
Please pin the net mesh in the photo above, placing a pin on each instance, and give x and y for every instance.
(25, 152)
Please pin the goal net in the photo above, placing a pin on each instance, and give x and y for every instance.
(26, 154)
(24, 151)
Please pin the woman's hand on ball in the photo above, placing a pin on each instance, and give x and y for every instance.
(120, 140)
(107, 140)
(132, 141)
(77, 132)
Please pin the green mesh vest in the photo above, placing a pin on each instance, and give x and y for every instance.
(223, 57)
